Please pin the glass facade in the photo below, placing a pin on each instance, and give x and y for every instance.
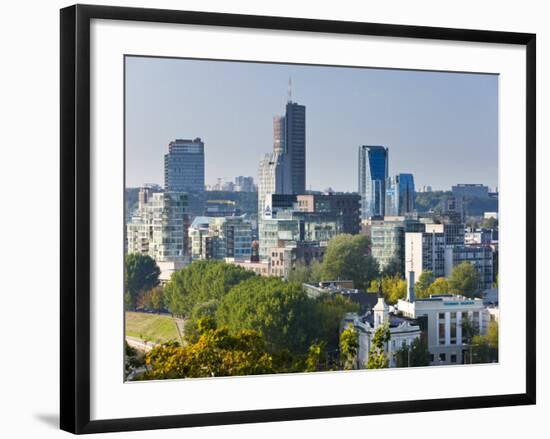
(184, 166)
(373, 172)
(399, 195)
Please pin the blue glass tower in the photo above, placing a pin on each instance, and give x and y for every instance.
(373, 173)
(399, 195)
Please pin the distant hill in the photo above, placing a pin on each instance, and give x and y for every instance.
(435, 201)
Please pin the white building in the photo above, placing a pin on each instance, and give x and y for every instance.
(403, 332)
(157, 228)
(443, 316)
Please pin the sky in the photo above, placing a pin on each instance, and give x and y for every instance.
(440, 126)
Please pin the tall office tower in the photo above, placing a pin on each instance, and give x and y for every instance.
(399, 195)
(295, 146)
(184, 166)
(373, 172)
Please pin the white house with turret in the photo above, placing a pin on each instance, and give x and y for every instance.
(403, 331)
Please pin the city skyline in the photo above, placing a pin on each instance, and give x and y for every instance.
(456, 109)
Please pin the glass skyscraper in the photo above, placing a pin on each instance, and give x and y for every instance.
(184, 166)
(373, 173)
(399, 195)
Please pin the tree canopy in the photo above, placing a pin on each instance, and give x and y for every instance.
(200, 282)
(378, 358)
(141, 273)
(424, 281)
(393, 288)
(417, 354)
(438, 286)
(216, 353)
(348, 258)
(464, 280)
(280, 311)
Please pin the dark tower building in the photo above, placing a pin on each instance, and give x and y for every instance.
(295, 146)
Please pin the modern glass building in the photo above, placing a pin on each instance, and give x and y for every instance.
(373, 173)
(295, 146)
(399, 195)
(184, 166)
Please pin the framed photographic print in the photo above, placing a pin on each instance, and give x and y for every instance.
(273, 218)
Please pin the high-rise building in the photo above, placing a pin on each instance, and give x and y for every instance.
(270, 179)
(388, 240)
(184, 166)
(373, 172)
(295, 146)
(348, 205)
(184, 172)
(244, 184)
(399, 195)
(157, 229)
(219, 238)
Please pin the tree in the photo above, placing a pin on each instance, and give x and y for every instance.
(378, 359)
(280, 311)
(485, 347)
(329, 311)
(140, 273)
(303, 273)
(216, 353)
(348, 257)
(349, 347)
(438, 286)
(314, 360)
(393, 288)
(422, 284)
(203, 315)
(200, 282)
(151, 299)
(464, 280)
(417, 354)
(393, 268)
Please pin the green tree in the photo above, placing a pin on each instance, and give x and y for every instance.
(378, 358)
(141, 273)
(438, 286)
(423, 283)
(349, 347)
(464, 280)
(216, 353)
(315, 358)
(305, 274)
(203, 315)
(393, 288)
(280, 311)
(330, 309)
(348, 258)
(151, 299)
(417, 354)
(200, 282)
(393, 268)
(485, 347)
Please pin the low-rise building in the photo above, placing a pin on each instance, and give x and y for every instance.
(403, 331)
(443, 317)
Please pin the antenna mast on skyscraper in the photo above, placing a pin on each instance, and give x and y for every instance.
(289, 89)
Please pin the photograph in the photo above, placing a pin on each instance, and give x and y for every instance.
(292, 218)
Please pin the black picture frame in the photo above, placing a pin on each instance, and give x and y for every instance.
(75, 217)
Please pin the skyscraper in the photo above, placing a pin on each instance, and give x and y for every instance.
(295, 146)
(399, 195)
(184, 166)
(373, 172)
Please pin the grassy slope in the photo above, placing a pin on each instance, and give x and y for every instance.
(153, 327)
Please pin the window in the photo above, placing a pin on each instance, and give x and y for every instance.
(453, 358)
(442, 357)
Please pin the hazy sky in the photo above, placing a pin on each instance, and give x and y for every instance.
(442, 127)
